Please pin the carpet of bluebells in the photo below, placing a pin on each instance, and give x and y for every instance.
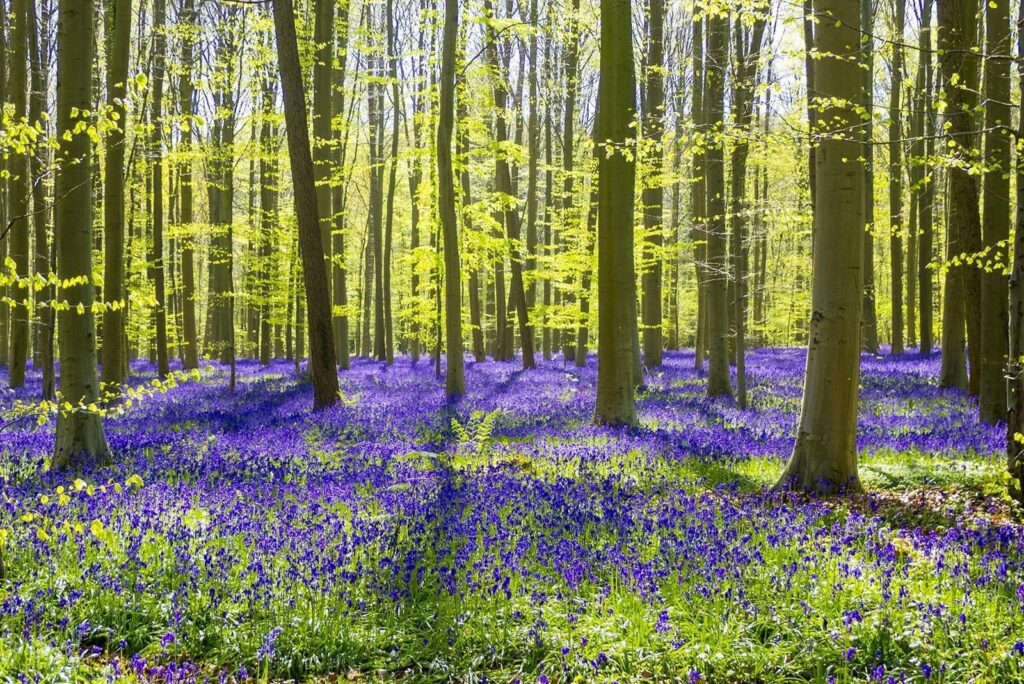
(506, 538)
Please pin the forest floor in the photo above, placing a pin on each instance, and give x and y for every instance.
(506, 538)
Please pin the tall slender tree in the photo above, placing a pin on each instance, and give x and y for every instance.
(896, 178)
(19, 193)
(119, 42)
(322, 364)
(995, 213)
(190, 338)
(653, 192)
(957, 24)
(455, 382)
(157, 150)
(717, 275)
(616, 171)
(870, 326)
(80, 439)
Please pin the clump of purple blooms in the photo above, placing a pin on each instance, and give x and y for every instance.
(503, 536)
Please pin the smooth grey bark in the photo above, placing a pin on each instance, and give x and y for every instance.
(956, 37)
(18, 194)
(698, 194)
(455, 381)
(824, 459)
(717, 276)
(869, 329)
(996, 214)
(157, 149)
(79, 440)
(896, 217)
(190, 337)
(617, 170)
(653, 192)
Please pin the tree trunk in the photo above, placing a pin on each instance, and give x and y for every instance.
(957, 27)
(339, 279)
(717, 286)
(747, 50)
(322, 364)
(653, 192)
(396, 112)
(616, 179)
(188, 278)
(896, 183)
(43, 339)
(18, 194)
(5, 310)
(568, 148)
(503, 185)
(825, 455)
(269, 179)
(455, 382)
(156, 145)
(322, 115)
(870, 326)
(80, 440)
(1015, 372)
(927, 197)
(698, 193)
(996, 213)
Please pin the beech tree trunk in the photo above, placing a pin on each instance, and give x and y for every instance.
(824, 458)
(896, 182)
(19, 192)
(1015, 371)
(190, 339)
(926, 201)
(996, 213)
(455, 381)
(616, 276)
(717, 280)
(79, 439)
(957, 28)
(157, 147)
(653, 193)
(322, 364)
(698, 194)
(870, 325)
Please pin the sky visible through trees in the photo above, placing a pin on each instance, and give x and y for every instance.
(465, 339)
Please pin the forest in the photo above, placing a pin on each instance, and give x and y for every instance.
(522, 341)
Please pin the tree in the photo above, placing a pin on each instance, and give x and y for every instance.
(896, 180)
(120, 22)
(19, 192)
(717, 274)
(957, 23)
(45, 254)
(323, 112)
(616, 172)
(1015, 370)
(870, 326)
(996, 213)
(455, 381)
(322, 370)
(927, 192)
(654, 113)
(747, 51)
(698, 192)
(188, 279)
(510, 212)
(824, 458)
(157, 147)
(80, 439)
